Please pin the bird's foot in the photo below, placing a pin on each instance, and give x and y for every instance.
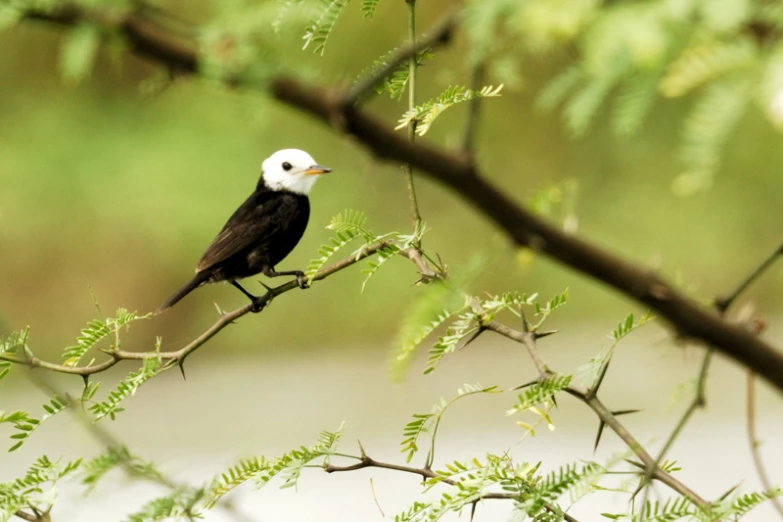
(300, 280)
(258, 304)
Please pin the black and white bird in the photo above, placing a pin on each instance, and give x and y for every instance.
(264, 230)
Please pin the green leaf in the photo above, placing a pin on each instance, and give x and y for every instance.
(348, 225)
(78, 52)
(262, 470)
(397, 82)
(425, 114)
(126, 388)
(369, 7)
(319, 29)
(435, 306)
(98, 330)
(540, 393)
(703, 63)
(707, 131)
(589, 372)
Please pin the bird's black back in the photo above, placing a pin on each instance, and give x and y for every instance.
(260, 234)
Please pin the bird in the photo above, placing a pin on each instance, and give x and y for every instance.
(264, 229)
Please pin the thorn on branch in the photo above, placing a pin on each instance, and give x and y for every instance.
(538, 335)
(481, 329)
(602, 425)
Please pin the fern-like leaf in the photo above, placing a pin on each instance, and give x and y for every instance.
(707, 130)
(589, 372)
(581, 109)
(706, 62)
(369, 7)
(423, 115)
(540, 393)
(556, 91)
(98, 330)
(634, 102)
(319, 30)
(262, 470)
(458, 330)
(434, 307)
(397, 82)
(126, 388)
(348, 225)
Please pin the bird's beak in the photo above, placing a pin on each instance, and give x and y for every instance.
(315, 170)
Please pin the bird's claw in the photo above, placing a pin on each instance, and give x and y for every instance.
(257, 305)
(300, 280)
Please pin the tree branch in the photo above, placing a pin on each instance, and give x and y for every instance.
(178, 357)
(604, 414)
(457, 171)
(426, 473)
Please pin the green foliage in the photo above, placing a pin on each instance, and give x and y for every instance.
(351, 225)
(456, 331)
(180, 503)
(98, 330)
(436, 305)
(348, 225)
(731, 508)
(543, 312)
(589, 372)
(397, 82)
(555, 484)
(423, 115)
(634, 102)
(429, 422)
(369, 7)
(706, 62)
(12, 349)
(540, 393)
(707, 130)
(29, 490)
(667, 511)
(95, 469)
(126, 388)
(261, 470)
(320, 28)
(25, 424)
(78, 52)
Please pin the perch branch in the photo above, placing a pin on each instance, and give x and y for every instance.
(177, 357)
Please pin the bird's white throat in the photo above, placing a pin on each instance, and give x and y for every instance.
(297, 183)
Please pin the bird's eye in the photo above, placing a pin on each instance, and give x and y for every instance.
(286, 166)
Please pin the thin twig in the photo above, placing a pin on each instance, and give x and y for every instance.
(177, 357)
(723, 303)
(412, 66)
(28, 516)
(754, 441)
(603, 413)
(426, 473)
(440, 34)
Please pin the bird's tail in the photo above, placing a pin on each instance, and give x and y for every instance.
(198, 280)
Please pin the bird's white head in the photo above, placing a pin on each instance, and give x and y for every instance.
(291, 169)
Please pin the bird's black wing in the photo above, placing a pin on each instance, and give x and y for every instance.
(253, 224)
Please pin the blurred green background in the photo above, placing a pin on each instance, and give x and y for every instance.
(107, 190)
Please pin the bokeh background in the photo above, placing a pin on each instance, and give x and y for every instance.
(107, 190)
